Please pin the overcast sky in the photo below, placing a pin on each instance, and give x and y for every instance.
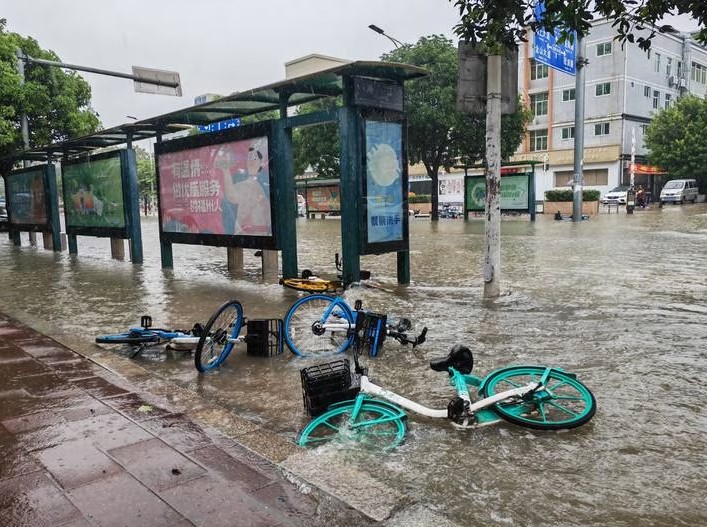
(217, 46)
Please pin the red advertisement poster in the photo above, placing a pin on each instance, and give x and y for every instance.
(323, 199)
(217, 189)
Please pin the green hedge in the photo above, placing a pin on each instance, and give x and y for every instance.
(567, 195)
(420, 198)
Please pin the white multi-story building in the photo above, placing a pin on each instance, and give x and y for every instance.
(624, 87)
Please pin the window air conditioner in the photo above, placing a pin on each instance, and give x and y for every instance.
(671, 80)
(682, 83)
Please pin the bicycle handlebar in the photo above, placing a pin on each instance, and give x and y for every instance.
(404, 340)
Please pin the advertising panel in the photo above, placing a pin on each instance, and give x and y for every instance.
(93, 193)
(324, 199)
(220, 189)
(26, 197)
(384, 186)
(514, 193)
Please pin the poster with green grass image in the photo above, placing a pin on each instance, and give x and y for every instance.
(93, 193)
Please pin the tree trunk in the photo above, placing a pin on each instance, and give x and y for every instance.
(492, 257)
(433, 174)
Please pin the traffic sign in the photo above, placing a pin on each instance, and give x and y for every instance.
(220, 125)
(548, 50)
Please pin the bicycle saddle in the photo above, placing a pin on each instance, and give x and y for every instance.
(460, 358)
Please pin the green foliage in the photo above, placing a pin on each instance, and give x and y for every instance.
(438, 134)
(147, 181)
(420, 198)
(57, 104)
(675, 140)
(566, 194)
(493, 22)
(317, 146)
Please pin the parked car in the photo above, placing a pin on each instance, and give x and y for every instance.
(679, 191)
(4, 220)
(615, 195)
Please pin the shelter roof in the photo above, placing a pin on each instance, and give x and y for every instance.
(296, 91)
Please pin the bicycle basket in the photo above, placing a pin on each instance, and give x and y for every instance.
(374, 331)
(326, 384)
(264, 337)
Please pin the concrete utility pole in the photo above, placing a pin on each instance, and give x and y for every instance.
(578, 180)
(492, 222)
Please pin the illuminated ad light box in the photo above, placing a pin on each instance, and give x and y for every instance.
(324, 198)
(94, 195)
(515, 192)
(26, 196)
(385, 187)
(217, 189)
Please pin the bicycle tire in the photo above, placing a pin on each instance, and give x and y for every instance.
(312, 286)
(566, 403)
(304, 325)
(132, 337)
(335, 425)
(215, 342)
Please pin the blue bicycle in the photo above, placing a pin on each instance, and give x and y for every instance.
(321, 324)
(145, 335)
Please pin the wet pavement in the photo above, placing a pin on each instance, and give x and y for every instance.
(80, 446)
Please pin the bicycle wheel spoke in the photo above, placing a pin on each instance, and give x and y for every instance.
(314, 326)
(219, 336)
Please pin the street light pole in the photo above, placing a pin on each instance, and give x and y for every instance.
(378, 30)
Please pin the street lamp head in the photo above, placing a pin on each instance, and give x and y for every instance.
(376, 29)
(380, 31)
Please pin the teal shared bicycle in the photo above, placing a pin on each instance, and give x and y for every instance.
(539, 397)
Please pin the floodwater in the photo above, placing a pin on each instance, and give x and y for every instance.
(620, 300)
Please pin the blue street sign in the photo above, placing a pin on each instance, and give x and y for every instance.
(548, 51)
(220, 125)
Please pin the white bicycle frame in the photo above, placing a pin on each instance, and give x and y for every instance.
(367, 387)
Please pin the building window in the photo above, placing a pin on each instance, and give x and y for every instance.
(601, 129)
(538, 140)
(603, 89)
(537, 70)
(698, 73)
(656, 62)
(603, 49)
(668, 66)
(590, 178)
(568, 132)
(667, 100)
(568, 95)
(538, 103)
(647, 92)
(644, 127)
(679, 69)
(656, 99)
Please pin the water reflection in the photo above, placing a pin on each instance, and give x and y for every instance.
(620, 300)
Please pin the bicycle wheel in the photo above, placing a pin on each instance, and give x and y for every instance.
(318, 324)
(564, 403)
(378, 426)
(216, 342)
(134, 337)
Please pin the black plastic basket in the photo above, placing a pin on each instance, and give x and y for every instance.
(325, 384)
(264, 337)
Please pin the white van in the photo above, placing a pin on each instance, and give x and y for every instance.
(679, 191)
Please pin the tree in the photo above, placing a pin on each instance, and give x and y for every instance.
(438, 134)
(146, 179)
(318, 146)
(675, 140)
(505, 22)
(57, 104)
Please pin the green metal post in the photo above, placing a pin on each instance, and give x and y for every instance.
(349, 126)
(52, 203)
(133, 208)
(403, 267)
(285, 194)
(531, 192)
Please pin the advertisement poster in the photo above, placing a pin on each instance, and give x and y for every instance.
(514, 193)
(217, 189)
(451, 188)
(26, 198)
(93, 193)
(384, 184)
(324, 199)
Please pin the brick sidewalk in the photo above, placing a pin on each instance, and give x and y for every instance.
(78, 447)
